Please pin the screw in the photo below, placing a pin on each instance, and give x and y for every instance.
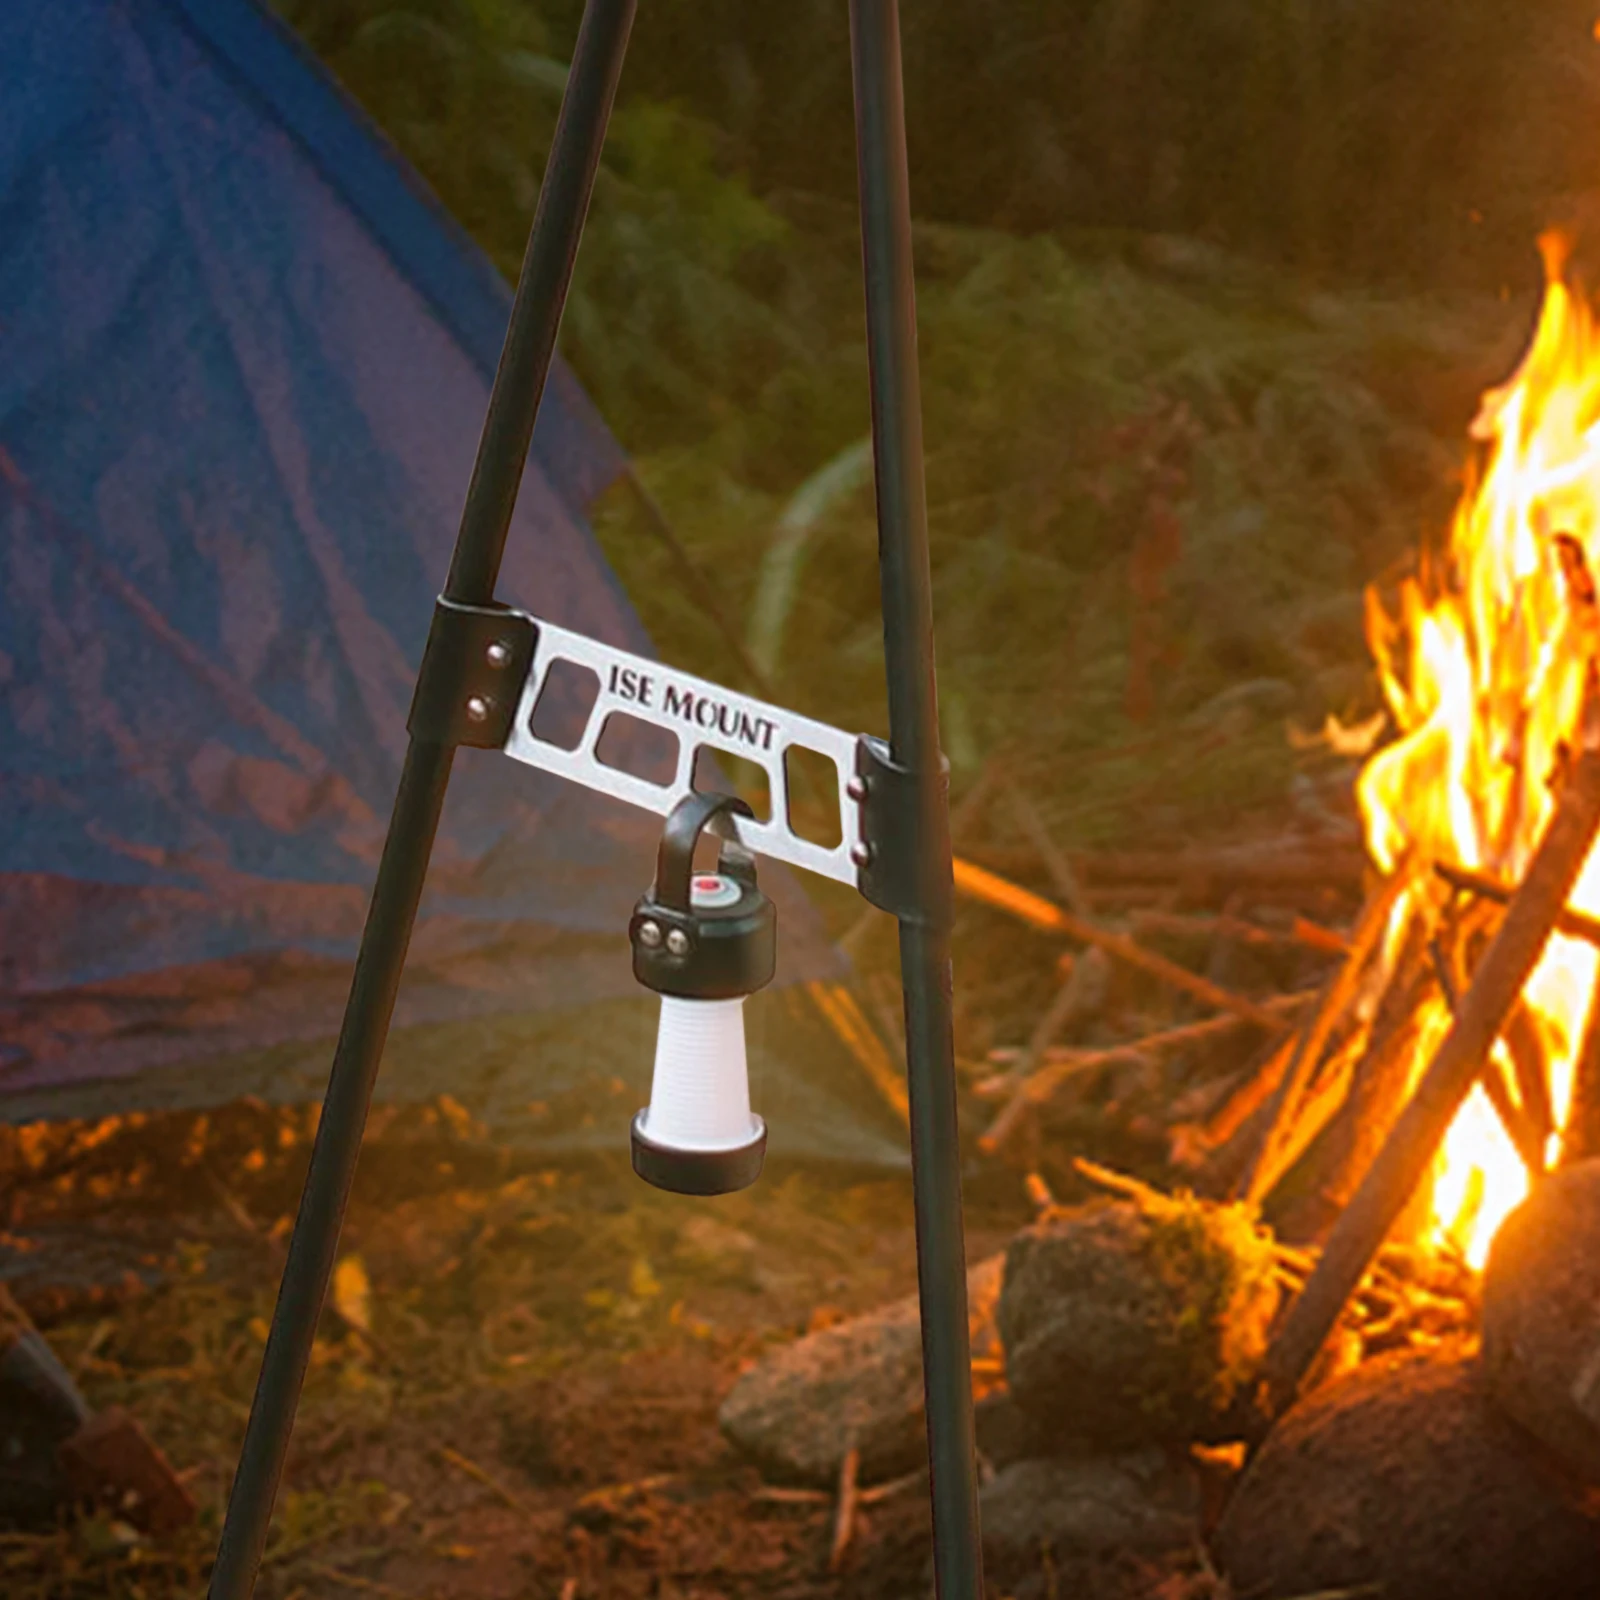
(861, 854)
(477, 709)
(678, 942)
(650, 934)
(498, 653)
(856, 788)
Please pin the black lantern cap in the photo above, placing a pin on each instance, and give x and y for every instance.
(706, 936)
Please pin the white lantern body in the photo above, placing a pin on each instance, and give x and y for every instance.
(700, 1090)
(698, 1134)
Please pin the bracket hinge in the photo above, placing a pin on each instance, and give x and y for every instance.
(472, 673)
(900, 820)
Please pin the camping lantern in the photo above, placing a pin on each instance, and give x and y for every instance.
(703, 941)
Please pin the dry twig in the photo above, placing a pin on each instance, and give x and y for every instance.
(1055, 863)
(1269, 1162)
(1575, 924)
(1049, 917)
(1039, 1086)
(844, 1516)
(1226, 925)
(465, 1464)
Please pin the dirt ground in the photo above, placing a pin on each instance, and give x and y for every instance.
(515, 1394)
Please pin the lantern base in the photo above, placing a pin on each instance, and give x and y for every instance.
(698, 1171)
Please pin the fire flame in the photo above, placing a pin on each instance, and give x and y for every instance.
(1483, 665)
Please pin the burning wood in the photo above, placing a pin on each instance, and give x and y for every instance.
(1511, 959)
(1306, 1057)
(1485, 661)
(1575, 924)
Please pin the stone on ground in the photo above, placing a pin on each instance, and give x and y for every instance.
(1541, 1316)
(1129, 1323)
(798, 1411)
(1086, 1521)
(1404, 1480)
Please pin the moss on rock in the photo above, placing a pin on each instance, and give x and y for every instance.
(1127, 1323)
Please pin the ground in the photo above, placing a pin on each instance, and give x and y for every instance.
(531, 1408)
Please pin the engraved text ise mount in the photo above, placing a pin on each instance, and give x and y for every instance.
(699, 714)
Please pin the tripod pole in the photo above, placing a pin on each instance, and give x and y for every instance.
(496, 476)
(914, 745)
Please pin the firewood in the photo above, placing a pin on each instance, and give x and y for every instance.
(1081, 993)
(1046, 915)
(844, 1516)
(1580, 1139)
(1040, 1086)
(1301, 932)
(1318, 1107)
(1265, 865)
(998, 1086)
(1519, 1127)
(1513, 954)
(1055, 862)
(1526, 1049)
(1250, 1097)
(1382, 1075)
(1575, 924)
(1338, 997)
(1216, 1150)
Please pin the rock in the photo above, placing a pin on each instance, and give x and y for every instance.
(1075, 1516)
(40, 1410)
(1004, 1430)
(112, 1460)
(1135, 1323)
(1541, 1316)
(1404, 1478)
(54, 1451)
(798, 1411)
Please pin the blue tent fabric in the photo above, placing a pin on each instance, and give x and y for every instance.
(244, 360)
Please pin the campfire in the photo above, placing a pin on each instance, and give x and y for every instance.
(1484, 660)
(1363, 1306)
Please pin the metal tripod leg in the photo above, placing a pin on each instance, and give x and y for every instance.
(497, 474)
(914, 741)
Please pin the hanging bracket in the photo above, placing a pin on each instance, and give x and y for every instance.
(701, 716)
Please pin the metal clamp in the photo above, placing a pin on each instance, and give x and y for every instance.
(896, 821)
(472, 673)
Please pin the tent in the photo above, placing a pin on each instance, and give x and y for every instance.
(244, 359)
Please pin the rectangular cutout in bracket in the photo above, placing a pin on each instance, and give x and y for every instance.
(643, 750)
(560, 715)
(723, 772)
(813, 796)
